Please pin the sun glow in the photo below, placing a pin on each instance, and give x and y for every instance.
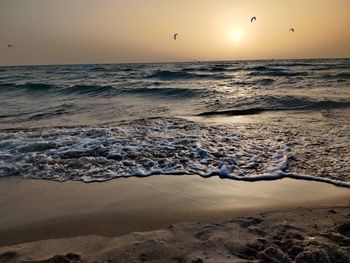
(236, 36)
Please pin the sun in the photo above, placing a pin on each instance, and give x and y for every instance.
(236, 36)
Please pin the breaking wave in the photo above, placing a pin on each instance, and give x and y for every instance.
(144, 148)
(141, 148)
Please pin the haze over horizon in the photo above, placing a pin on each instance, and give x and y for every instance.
(107, 31)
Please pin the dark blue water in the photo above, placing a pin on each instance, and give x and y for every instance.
(97, 122)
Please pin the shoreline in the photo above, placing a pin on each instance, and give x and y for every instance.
(35, 210)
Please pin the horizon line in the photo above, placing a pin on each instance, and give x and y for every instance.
(168, 62)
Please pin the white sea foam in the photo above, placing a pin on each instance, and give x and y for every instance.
(144, 148)
(141, 148)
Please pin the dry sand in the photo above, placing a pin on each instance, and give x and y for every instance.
(276, 221)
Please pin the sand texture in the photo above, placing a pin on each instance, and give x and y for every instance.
(227, 221)
(298, 235)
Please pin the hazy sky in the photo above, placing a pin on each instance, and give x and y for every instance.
(108, 31)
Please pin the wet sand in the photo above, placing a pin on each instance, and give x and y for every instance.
(301, 235)
(33, 210)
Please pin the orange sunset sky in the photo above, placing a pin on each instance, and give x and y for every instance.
(113, 31)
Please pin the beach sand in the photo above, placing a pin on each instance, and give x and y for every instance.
(227, 221)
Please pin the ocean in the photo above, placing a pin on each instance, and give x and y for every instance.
(242, 120)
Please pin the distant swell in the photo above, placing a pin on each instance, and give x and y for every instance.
(265, 81)
(263, 68)
(218, 68)
(276, 73)
(342, 76)
(312, 66)
(103, 91)
(173, 93)
(89, 90)
(27, 86)
(291, 105)
(175, 75)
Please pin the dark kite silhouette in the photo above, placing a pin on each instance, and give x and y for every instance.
(175, 36)
(252, 19)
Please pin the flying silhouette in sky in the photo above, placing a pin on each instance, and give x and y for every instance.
(175, 36)
(291, 30)
(252, 19)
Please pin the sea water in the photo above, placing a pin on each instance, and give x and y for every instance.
(245, 120)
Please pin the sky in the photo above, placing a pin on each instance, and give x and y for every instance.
(121, 31)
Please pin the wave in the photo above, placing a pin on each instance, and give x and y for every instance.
(89, 90)
(265, 81)
(111, 68)
(34, 89)
(213, 69)
(312, 64)
(218, 68)
(106, 90)
(271, 71)
(169, 93)
(147, 147)
(297, 64)
(282, 175)
(126, 69)
(38, 86)
(176, 75)
(276, 73)
(40, 114)
(141, 148)
(221, 68)
(98, 68)
(49, 90)
(49, 113)
(251, 111)
(253, 82)
(96, 90)
(29, 86)
(277, 104)
(341, 76)
(6, 86)
(263, 68)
